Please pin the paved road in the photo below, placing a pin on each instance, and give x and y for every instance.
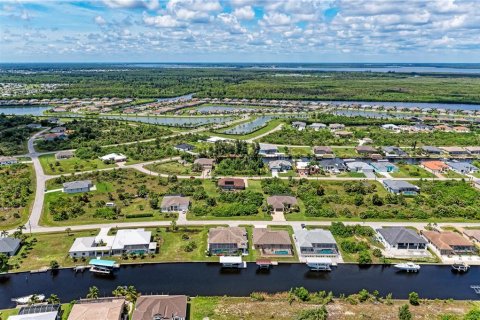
(277, 128)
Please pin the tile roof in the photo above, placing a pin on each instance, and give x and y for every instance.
(167, 307)
(264, 236)
(395, 235)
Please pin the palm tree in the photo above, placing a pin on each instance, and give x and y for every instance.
(53, 299)
(34, 299)
(93, 293)
(21, 228)
(4, 233)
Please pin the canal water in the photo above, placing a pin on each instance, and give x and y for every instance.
(209, 279)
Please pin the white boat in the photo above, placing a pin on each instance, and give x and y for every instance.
(319, 264)
(233, 262)
(460, 267)
(27, 299)
(409, 267)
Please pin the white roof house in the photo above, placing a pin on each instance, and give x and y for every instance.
(117, 157)
(359, 166)
(131, 237)
(35, 316)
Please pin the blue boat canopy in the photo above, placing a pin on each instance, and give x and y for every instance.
(102, 263)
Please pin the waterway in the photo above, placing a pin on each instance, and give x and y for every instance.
(209, 279)
(24, 110)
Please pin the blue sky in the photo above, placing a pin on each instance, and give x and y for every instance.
(240, 31)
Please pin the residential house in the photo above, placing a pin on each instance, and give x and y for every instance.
(317, 126)
(461, 129)
(231, 184)
(64, 155)
(366, 150)
(267, 149)
(205, 163)
(449, 242)
(435, 166)
(160, 307)
(323, 152)
(401, 238)
(34, 125)
(124, 241)
(272, 242)
(392, 151)
(281, 203)
(432, 150)
(455, 151)
(38, 312)
(299, 125)
(443, 128)
(175, 203)
(384, 167)
(316, 243)
(115, 157)
(58, 129)
(400, 187)
(305, 168)
(472, 234)
(227, 240)
(54, 136)
(184, 147)
(77, 186)
(473, 150)
(9, 246)
(279, 165)
(390, 126)
(336, 126)
(335, 165)
(98, 309)
(359, 166)
(4, 161)
(343, 134)
(462, 167)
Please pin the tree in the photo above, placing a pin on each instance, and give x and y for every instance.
(93, 293)
(53, 299)
(364, 257)
(301, 293)
(4, 233)
(3, 262)
(313, 314)
(34, 299)
(413, 299)
(173, 225)
(54, 264)
(404, 313)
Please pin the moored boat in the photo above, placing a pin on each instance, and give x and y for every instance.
(408, 266)
(29, 299)
(460, 266)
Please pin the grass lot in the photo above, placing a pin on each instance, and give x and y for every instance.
(299, 152)
(4, 314)
(352, 175)
(173, 168)
(411, 171)
(270, 126)
(51, 166)
(289, 173)
(452, 174)
(344, 152)
(278, 307)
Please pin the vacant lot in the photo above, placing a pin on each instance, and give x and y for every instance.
(53, 166)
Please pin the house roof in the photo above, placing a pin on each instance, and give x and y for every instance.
(113, 156)
(434, 165)
(396, 235)
(204, 161)
(169, 201)
(52, 315)
(358, 164)
(279, 163)
(267, 146)
(8, 244)
(185, 146)
(446, 239)
(237, 235)
(461, 166)
(280, 201)
(131, 237)
(264, 236)
(64, 153)
(383, 165)
(3, 159)
(472, 233)
(431, 149)
(399, 184)
(98, 310)
(365, 149)
(335, 162)
(322, 149)
(472, 149)
(77, 184)
(453, 149)
(167, 307)
(236, 182)
(306, 238)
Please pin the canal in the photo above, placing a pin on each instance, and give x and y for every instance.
(208, 279)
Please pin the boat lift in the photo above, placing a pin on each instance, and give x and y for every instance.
(232, 262)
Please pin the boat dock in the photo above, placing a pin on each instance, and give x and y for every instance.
(265, 263)
(320, 264)
(102, 266)
(81, 268)
(233, 262)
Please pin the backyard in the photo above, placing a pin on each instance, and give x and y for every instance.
(411, 171)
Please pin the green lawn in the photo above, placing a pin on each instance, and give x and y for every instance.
(345, 152)
(452, 174)
(173, 168)
(52, 166)
(352, 175)
(299, 151)
(4, 314)
(411, 171)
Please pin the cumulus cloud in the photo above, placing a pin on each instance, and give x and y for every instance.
(164, 21)
(276, 19)
(244, 13)
(100, 20)
(148, 4)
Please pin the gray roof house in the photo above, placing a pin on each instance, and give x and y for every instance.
(266, 149)
(8, 160)
(67, 154)
(175, 203)
(400, 187)
(431, 150)
(184, 147)
(316, 243)
(323, 151)
(462, 167)
(280, 203)
(9, 246)
(401, 238)
(358, 166)
(394, 152)
(299, 125)
(384, 167)
(333, 165)
(317, 126)
(77, 186)
(227, 240)
(280, 165)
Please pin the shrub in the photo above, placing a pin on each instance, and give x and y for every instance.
(404, 313)
(364, 257)
(139, 215)
(301, 293)
(257, 296)
(413, 299)
(377, 253)
(313, 314)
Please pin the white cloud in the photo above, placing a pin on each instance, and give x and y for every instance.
(164, 21)
(244, 13)
(100, 20)
(148, 4)
(276, 19)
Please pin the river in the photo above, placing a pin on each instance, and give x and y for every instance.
(433, 281)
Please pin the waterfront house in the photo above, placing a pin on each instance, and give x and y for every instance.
(461, 129)
(124, 241)
(323, 152)
(227, 240)
(299, 125)
(336, 126)
(281, 203)
(305, 168)
(475, 151)
(231, 184)
(280, 165)
(267, 149)
(4, 161)
(114, 157)
(160, 307)
(400, 187)
(335, 165)
(175, 203)
(366, 150)
(316, 243)
(449, 242)
(435, 166)
(184, 147)
(317, 126)
(38, 312)
(392, 151)
(64, 155)
(359, 166)
(272, 242)
(455, 151)
(384, 167)
(9, 246)
(401, 238)
(77, 186)
(390, 126)
(98, 309)
(472, 234)
(205, 163)
(462, 167)
(431, 150)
